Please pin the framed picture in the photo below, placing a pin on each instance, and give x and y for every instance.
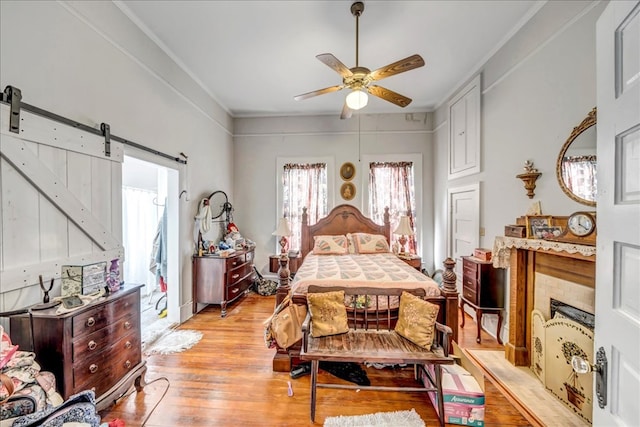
(537, 221)
(547, 232)
(347, 171)
(348, 191)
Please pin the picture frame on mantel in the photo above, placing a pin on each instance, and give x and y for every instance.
(534, 222)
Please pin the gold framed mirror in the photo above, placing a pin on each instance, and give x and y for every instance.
(576, 164)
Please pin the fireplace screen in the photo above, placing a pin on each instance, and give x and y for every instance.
(554, 343)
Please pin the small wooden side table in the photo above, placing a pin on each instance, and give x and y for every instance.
(294, 263)
(414, 261)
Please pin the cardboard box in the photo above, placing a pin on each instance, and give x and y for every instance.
(482, 254)
(83, 279)
(463, 391)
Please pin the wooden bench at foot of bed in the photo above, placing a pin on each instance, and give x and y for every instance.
(371, 338)
(284, 359)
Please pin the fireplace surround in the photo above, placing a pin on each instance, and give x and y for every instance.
(535, 265)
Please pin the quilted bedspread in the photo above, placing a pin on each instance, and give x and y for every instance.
(382, 270)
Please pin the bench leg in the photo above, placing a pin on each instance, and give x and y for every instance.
(314, 381)
(439, 394)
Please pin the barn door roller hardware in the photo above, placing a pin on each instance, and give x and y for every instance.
(13, 96)
(106, 131)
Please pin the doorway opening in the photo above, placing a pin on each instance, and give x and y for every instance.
(149, 235)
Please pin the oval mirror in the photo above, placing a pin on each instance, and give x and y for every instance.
(576, 164)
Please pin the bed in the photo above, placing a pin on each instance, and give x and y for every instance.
(351, 267)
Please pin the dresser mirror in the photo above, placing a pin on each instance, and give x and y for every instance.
(576, 164)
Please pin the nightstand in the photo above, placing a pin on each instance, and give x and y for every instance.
(482, 290)
(294, 263)
(414, 261)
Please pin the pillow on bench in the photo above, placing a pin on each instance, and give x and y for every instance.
(328, 313)
(416, 320)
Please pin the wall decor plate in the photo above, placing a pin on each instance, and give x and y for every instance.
(347, 171)
(348, 191)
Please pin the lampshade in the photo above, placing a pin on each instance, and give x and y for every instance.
(404, 228)
(357, 99)
(283, 228)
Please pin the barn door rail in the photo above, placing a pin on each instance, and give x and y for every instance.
(13, 96)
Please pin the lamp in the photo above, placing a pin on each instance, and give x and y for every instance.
(404, 229)
(283, 230)
(357, 99)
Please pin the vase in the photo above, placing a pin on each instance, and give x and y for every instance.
(113, 281)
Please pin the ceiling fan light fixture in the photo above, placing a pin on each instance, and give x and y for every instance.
(357, 99)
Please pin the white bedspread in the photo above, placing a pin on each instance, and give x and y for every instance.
(384, 270)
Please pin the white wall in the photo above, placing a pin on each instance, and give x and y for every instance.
(535, 89)
(260, 141)
(88, 62)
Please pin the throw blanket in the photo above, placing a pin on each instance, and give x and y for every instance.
(383, 270)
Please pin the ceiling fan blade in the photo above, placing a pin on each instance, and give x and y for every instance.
(318, 92)
(406, 64)
(335, 63)
(346, 112)
(389, 95)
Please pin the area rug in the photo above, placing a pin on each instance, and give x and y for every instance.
(161, 337)
(379, 419)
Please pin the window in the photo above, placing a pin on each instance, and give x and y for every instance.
(303, 185)
(391, 184)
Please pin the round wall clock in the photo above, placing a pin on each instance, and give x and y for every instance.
(581, 224)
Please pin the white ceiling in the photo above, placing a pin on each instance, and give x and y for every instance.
(253, 57)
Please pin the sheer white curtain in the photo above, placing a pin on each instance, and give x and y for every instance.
(141, 214)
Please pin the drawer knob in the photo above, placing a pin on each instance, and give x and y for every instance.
(127, 345)
(235, 290)
(91, 321)
(92, 345)
(127, 364)
(235, 276)
(127, 325)
(93, 368)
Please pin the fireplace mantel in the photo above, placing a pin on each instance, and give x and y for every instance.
(525, 257)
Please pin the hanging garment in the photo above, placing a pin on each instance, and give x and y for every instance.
(161, 253)
(202, 219)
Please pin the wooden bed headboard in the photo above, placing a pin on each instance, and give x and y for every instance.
(342, 219)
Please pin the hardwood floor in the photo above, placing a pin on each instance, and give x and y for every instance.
(227, 380)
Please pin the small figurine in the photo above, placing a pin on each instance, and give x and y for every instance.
(528, 167)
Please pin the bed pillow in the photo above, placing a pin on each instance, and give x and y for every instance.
(330, 245)
(366, 243)
(328, 313)
(416, 320)
(351, 245)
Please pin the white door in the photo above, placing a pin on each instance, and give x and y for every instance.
(464, 223)
(617, 330)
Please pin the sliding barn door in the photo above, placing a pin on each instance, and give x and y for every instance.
(61, 199)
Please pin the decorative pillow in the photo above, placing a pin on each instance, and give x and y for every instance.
(328, 313)
(330, 245)
(417, 319)
(351, 245)
(366, 243)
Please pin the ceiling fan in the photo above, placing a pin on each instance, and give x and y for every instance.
(359, 79)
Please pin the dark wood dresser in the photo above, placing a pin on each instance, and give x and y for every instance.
(483, 290)
(94, 347)
(221, 280)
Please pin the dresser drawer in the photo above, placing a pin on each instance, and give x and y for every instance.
(235, 261)
(469, 294)
(99, 317)
(236, 289)
(103, 339)
(102, 371)
(239, 273)
(469, 269)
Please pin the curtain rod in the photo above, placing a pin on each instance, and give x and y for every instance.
(13, 97)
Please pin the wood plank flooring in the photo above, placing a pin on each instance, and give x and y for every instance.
(227, 380)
